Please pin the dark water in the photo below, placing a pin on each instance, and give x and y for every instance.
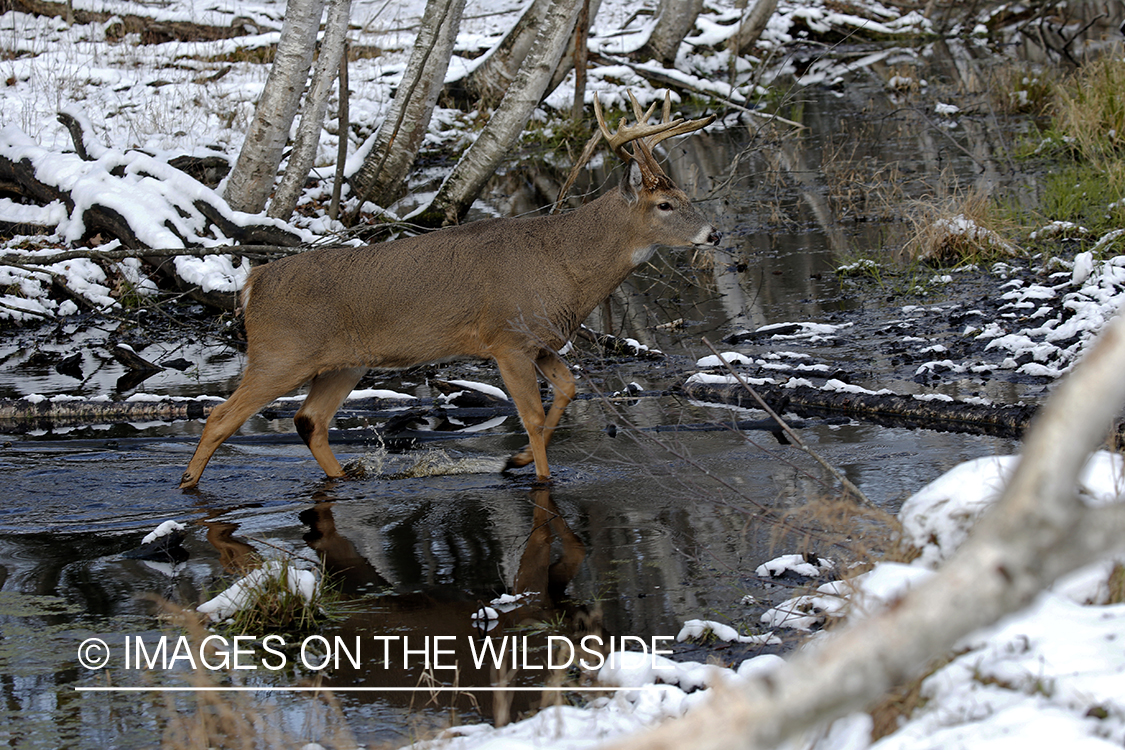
(642, 528)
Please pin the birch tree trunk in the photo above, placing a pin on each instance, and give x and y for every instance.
(382, 177)
(674, 20)
(497, 138)
(490, 79)
(753, 23)
(1037, 531)
(251, 180)
(312, 113)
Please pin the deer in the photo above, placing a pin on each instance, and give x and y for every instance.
(510, 290)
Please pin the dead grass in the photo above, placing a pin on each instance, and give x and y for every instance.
(1017, 88)
(222, 720)
(1116, 585)
(899, 704)
(867, 535)
(860, 185)
(960, 228)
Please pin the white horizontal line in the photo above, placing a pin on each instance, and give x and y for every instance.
(296, 689)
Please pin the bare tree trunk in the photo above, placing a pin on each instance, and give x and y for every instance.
(481, 160)
(492, 76)
(674, 20)
(753, 23)
(1039, 530)
(312, 113)
(579, 57)
(576, 54)
(252, 178)
(381, 178)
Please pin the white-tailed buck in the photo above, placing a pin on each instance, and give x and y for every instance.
(511, 290)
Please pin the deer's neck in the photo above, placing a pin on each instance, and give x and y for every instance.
(601, 246)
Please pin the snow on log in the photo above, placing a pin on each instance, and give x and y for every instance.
(132, 199)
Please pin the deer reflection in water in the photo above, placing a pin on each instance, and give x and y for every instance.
(551, 557)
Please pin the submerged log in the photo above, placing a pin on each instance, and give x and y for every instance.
(888, 409)
(21, 414)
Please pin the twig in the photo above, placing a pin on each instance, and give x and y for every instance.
(14, 259)
(587, 153)
(847, 483)
(665, 80)
(762, 511)
(36, 313)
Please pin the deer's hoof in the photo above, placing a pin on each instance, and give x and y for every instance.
(519, 460)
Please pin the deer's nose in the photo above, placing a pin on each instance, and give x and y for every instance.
(714, 238)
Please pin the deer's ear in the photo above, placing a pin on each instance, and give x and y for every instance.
(631, 184)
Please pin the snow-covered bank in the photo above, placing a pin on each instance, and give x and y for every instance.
(1035, 323)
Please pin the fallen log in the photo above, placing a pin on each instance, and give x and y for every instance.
(39, 412)
(887, 409)
(149, 29)
(47, 177)
(891, 410)
(17, 415)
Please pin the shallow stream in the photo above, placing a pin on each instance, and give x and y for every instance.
(655, 514)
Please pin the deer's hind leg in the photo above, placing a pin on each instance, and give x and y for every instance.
(559, 376)
(326, 392)
(539, 432)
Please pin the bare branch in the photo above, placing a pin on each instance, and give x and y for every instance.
(847, 483)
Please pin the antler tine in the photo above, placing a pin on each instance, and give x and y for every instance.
(630, 133)
(680, 128)
(605, 128)
(668, 127)
(641, 118)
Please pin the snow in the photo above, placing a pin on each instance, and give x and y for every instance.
(734, 358)
(702, 629)
(794, 564)
(485, 388)
(143, 103)
(706, 378)
(242, 592)
(486, 614)
(164, 529)
(508, 602)
(1053, 674)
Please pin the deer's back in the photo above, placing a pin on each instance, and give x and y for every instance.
(455, 292)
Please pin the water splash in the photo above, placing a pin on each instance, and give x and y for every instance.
(379, 463)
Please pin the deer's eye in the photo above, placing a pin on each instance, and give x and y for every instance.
(665, 206)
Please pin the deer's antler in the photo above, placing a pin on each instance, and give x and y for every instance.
(644, 136)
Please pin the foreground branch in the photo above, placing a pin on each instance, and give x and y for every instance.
(1038, 530)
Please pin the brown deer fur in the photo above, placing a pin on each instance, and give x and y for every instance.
(510, 290)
